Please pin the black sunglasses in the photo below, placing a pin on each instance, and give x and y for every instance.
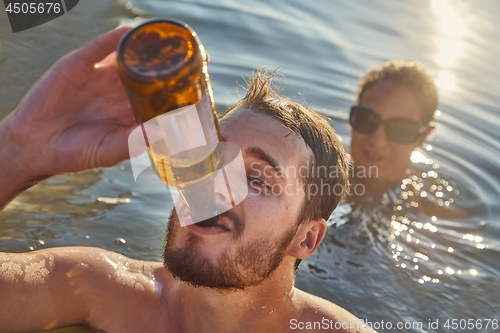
(398, 129)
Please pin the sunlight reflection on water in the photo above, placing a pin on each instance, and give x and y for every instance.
(379, 267)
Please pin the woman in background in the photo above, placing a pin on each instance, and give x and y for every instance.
(395, 113)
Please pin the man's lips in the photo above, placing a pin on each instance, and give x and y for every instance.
(222, 226)
(224, 223)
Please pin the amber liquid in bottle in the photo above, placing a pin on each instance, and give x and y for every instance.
(163, 66)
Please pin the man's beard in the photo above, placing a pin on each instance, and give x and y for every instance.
(253, 262)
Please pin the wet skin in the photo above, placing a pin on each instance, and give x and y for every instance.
(114, 293)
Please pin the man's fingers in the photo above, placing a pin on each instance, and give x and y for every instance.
(101, 47)
(110, 60)
(115, 148)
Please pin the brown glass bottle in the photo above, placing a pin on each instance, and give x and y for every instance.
(163, 66)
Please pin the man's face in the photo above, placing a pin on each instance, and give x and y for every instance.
(251, 240)
(387, 99)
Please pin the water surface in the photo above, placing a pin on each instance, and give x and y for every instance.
(412, 270)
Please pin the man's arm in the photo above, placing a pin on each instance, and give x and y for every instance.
(57, 287)
(13, 177)
(76, 117)
(38, 291)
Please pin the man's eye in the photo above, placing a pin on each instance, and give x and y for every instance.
(256, 182)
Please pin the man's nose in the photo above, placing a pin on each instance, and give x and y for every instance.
(223, 198)
(231, 184)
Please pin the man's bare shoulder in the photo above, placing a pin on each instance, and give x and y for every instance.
(104, 259)
(84, 285)
(320, 315)
(112, 273)
(97, 262)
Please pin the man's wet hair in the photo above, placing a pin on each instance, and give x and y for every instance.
(409, 73)
(263, 95)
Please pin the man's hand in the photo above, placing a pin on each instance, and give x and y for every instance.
(76, 117)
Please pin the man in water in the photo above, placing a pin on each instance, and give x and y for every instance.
(236, 276)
